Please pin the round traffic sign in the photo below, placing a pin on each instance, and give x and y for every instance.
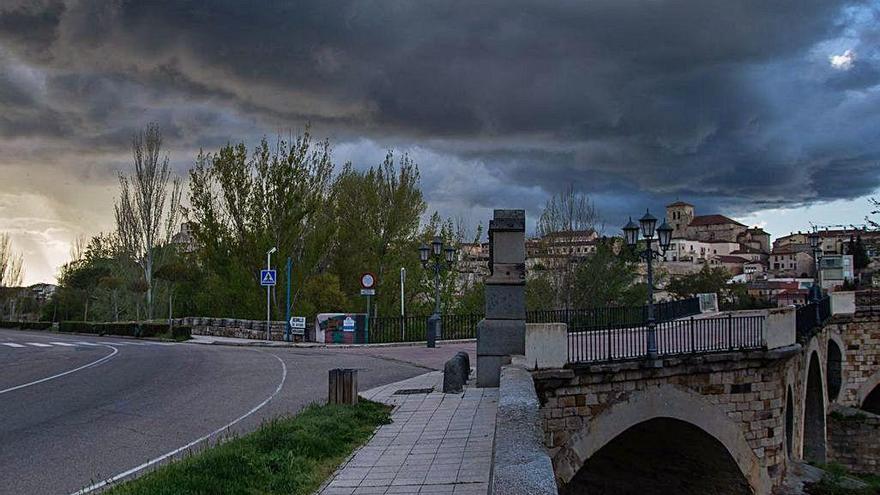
(368, 280)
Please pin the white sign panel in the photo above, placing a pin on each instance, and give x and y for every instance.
(348, 324)
(298, 322)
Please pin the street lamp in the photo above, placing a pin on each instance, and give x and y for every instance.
(817, 284)
(433, 257)
(648, 228)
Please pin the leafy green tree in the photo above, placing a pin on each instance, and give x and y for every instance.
(173, 272)
(540, 293)
(708, 280)
(377, 215)
(607, 279)
(241, 206)
(322, 294)
(860, 255)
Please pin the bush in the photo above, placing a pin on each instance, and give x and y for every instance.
(27, 325)
(126, 329)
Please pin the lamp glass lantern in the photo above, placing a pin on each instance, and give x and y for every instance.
(631, 232)
(437, 245)
(648, 223)
(450, 254)
(664, 235)
(814, 240)
(424, 252)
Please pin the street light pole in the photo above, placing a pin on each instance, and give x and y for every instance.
(433, 257)
(817, 283)
(269, 293)
(648, 227)
(402, 282)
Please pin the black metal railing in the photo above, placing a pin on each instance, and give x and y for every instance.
(388, 329)
(616, 317)
(808, 320)
(674, 337)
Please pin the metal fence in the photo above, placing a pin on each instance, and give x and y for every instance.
(388, 329)
(674, 337)
(414, 328)
(808, 319)
(616, 317)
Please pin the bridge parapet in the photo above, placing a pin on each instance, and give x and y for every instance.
(738, 397)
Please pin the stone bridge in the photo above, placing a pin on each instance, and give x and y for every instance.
(730, 422)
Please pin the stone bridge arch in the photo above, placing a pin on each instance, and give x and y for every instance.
(869, 394)
(662, 402)
(814, 403)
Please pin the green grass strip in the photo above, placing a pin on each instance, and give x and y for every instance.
(290, 455)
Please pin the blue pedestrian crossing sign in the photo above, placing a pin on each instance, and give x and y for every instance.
(267, 278)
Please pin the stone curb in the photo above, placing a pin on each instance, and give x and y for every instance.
(520, 464)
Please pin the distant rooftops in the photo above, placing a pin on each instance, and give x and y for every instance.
(678, 203)
(702, 220)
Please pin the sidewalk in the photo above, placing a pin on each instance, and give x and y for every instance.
(437, 443)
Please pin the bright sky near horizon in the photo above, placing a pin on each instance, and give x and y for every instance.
(767, 112)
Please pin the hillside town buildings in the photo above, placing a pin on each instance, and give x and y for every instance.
(781, 271)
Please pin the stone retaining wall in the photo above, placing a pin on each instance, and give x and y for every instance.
(240, 329)
(853, 440)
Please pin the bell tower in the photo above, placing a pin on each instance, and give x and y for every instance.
(679, 216)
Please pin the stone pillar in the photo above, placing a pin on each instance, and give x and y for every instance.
(502, 333)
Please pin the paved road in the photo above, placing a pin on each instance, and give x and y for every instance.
(76, 410)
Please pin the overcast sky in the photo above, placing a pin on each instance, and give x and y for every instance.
(767, 111)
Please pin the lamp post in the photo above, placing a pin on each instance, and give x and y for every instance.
(432, 257)
(817, 283)
(269, 293)
(648, 227)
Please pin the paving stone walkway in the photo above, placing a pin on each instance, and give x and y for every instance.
(437, 443)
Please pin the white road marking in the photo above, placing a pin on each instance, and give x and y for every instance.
(87, 343)
(62, 344)
(197, 441)
(10, 344)
(59, 375)
(37, 344)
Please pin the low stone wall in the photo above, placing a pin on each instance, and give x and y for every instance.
(240, 329)
(853, 440)
(520, 463)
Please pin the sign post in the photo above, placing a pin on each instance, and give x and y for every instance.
(368, 284)
(267, 280)
(287, 328)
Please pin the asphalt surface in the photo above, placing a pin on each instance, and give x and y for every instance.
(75, 415)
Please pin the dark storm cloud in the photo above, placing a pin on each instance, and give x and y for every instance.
(733, 104)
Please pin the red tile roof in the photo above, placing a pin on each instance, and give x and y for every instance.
(702, 220)
(732, 259)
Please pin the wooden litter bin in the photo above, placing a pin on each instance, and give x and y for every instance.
(343, 386)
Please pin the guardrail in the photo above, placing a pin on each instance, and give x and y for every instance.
(676, 337)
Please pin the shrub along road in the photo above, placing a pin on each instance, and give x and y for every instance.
(77, 410)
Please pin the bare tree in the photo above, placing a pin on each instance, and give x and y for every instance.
(11, 264)
(569, 219)
(78, 248)
(148, 208)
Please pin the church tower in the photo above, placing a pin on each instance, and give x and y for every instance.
(679, 216)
